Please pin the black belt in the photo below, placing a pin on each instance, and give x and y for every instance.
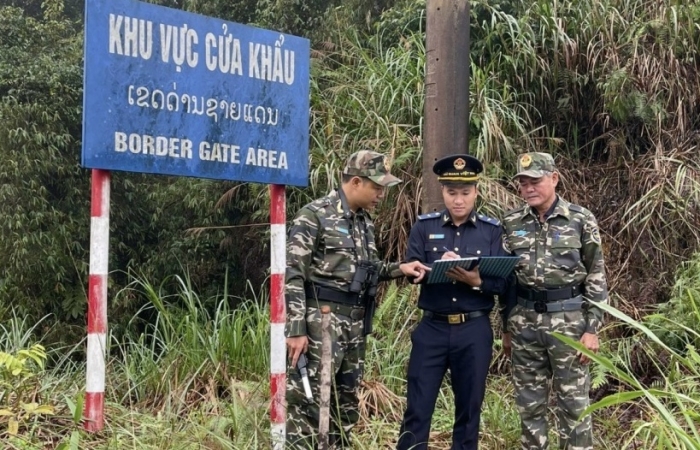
(332, 295)
(549, 295)
(540, 307)
(352, 311)
(456, 318)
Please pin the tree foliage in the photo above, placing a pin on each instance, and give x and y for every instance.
(42, 238)
(45, 194)
(610, 87)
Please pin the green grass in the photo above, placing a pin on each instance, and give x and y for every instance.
(197, 378)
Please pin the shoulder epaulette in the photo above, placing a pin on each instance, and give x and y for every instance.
(432, 215)
(319, 204)
(489, 220)
(515, 210)
(585, 212)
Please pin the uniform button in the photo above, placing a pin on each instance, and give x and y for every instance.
(478, 252)
(454, 282)
(458, 233)
(456, 249)
(454, 299)
(434, 249)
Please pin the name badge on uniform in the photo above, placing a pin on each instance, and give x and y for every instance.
(436, 236)
(342, 230)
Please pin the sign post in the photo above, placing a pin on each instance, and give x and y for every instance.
(174, 93)
(278, 349)
(97, 301)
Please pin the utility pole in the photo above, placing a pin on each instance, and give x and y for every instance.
(446, 129)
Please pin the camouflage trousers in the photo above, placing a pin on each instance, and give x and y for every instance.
(539, 357)
(348, 358)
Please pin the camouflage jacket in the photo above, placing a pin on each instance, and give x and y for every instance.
(564, 251)
(323, 246)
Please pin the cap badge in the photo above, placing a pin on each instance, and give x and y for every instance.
(525, 161)
(460, 164)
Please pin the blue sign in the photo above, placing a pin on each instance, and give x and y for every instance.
(176, 93)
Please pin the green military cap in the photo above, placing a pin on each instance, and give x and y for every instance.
(458, 169)
(372, 165)
(535, 165)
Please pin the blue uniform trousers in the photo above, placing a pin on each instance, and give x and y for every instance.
(466, 350)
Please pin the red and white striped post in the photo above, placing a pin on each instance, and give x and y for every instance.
(97, 301)
(278, 348)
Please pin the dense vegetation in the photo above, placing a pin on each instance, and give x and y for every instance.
(609, 86)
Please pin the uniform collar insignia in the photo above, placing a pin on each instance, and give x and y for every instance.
(447, 219)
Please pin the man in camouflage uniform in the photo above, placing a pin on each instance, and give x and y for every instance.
(560, 278)
(328, 240)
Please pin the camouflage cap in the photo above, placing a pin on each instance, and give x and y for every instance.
(535, 165)
(372, 165)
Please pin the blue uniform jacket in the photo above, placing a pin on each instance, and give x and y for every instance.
(478, 236)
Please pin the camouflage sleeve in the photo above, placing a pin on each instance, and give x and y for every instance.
(506, 244)
(596, 288)
(509, 299)
(389, 270)
(501, 287)
(301, 244)
(416, 247)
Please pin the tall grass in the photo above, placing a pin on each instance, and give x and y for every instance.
(191, 373)
(611, 88)
(668, 407)
(18, 333)
(368, 95)
(677, 322)
(190, 345)
(196, 378)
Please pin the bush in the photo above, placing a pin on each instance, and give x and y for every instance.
(677, 322)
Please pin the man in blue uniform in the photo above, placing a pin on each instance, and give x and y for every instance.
(455, 332)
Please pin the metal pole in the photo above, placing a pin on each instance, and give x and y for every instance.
(278, 349)
(325, 379)
(97, 301)
(446, 90)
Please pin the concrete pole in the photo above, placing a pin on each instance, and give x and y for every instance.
(446, 128)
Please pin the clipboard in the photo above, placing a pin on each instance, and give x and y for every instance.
(489, 266)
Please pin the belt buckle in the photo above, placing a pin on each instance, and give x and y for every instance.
(454, 319)
(540, 307)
